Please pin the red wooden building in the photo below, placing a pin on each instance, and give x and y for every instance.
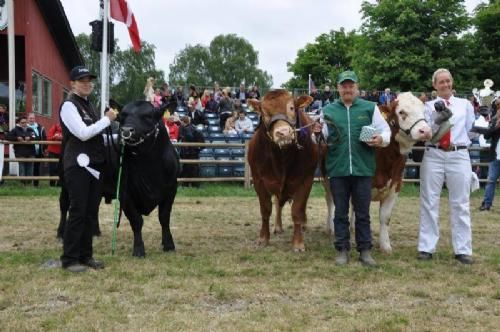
(46, 51)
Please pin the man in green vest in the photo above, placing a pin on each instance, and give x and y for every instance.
(350, 163)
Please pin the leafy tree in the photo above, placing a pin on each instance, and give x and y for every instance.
(228, 60)
(324, 59)
(128, 71)
(487, 42)
(404, 41)
(133, 71)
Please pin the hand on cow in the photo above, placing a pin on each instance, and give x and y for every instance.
(376, 141)
(317, 127)
(111, 114)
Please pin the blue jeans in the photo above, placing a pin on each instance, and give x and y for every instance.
(493, 175)
(358, 190)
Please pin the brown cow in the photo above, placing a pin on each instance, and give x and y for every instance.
(283, 159)
(408, 126)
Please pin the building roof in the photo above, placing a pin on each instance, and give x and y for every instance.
(57, 22)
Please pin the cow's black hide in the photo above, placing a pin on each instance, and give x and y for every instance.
(150, 169)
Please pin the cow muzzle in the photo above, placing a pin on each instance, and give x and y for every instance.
(126, 133)
(283, 134)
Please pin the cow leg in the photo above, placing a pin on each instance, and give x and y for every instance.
(385, 212)
(266, 208)
(329, 206)
(136, 222)
(164, 211)
(278, 225)
(299, 217)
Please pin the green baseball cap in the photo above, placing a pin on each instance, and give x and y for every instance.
(347, 75)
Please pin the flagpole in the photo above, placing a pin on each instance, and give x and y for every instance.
(309, 85)
(104, 56)
(12, 64)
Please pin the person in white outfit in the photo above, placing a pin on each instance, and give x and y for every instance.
(447, 162)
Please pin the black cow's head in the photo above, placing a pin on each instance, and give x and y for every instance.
(138, 121)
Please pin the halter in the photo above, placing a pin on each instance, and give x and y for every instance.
(141, 139)
(408, 131)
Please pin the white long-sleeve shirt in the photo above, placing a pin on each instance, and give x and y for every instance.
(462, 119)
(73, 121)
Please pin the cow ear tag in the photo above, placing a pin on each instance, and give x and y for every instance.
(83, 160)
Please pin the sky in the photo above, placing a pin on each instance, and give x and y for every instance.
(276, 29)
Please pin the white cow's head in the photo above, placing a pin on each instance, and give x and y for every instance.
(407, 113)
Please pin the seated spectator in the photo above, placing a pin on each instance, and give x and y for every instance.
(54, 150)
(205, 98)
(225, 107)
(197, 117)
(172, 127)
(157, 98)
(241, 94)
(327, 96)
(243, 125)
(386, 97)
(193, 93)
(254, 93)
(179, 97)
(217, 92)
(23, 133)
(230, 127)
(212, 106)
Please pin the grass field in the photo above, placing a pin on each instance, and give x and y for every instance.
(219, 280)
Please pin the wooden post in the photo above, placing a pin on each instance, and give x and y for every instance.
(248, 176)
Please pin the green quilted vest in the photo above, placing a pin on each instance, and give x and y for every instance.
(347, 155)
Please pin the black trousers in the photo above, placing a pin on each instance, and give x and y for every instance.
(84, 192)
(190, 171)
(358, 190)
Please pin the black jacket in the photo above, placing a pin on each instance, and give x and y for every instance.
(494, 134)
(22, 150)
(197, 118)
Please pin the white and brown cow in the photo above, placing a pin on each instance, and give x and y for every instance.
(406, 119)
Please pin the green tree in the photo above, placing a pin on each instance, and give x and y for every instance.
(228, 60)
(404, 41)
(133, 71)
(487, 42)
(324, 59)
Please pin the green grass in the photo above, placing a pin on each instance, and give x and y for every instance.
(14, 188)
(219, 280)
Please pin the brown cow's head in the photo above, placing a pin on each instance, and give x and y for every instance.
(278, 111)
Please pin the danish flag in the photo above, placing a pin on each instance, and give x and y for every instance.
(120, 11)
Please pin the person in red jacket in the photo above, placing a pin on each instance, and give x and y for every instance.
(172, 127)
(54, 150)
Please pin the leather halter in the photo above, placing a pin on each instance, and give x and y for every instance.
(141, 139)
(408, 131)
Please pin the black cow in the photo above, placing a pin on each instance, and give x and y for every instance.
(150, 170)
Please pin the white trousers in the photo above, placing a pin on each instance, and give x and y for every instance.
(454, 168)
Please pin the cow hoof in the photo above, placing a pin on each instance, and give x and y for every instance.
(300, 249)
(169, 248)
(278, 231)
(386, 249)
(139, 254)
(262, 242)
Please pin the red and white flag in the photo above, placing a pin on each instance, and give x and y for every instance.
(121, 11)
